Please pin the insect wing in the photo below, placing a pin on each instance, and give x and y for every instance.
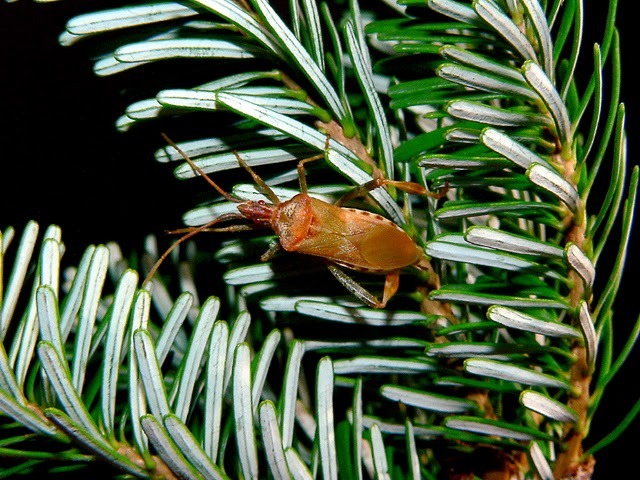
(358, 239)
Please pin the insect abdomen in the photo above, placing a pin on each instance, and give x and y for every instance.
(358, 239)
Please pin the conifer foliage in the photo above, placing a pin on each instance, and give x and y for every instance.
(492, 358)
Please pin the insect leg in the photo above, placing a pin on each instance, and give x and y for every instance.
(416, 188)
(391, 284)
(355, 288)
(409, 187)
(273, 249)
(302, 176)
(258, 179)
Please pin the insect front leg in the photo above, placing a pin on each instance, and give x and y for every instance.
(258, 179)
(274, 248)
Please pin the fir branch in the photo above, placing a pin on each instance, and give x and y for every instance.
(491, 343)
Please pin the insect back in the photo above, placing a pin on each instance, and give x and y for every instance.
(341, 237)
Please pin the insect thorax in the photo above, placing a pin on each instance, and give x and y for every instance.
(292, 220)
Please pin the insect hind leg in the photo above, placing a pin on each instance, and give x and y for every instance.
(355, 288)
(408, 187)
(391, 284)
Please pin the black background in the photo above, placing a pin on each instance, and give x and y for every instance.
(62, 163)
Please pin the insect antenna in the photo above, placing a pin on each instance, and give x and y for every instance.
(200, 172)
(190, 232)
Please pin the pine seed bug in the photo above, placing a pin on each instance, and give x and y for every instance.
(343, 237)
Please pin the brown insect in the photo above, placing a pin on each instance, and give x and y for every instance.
(343, 237)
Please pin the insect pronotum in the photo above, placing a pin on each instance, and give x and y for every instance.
(343, 237)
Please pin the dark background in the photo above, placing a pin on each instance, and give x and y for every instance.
(62, 163)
